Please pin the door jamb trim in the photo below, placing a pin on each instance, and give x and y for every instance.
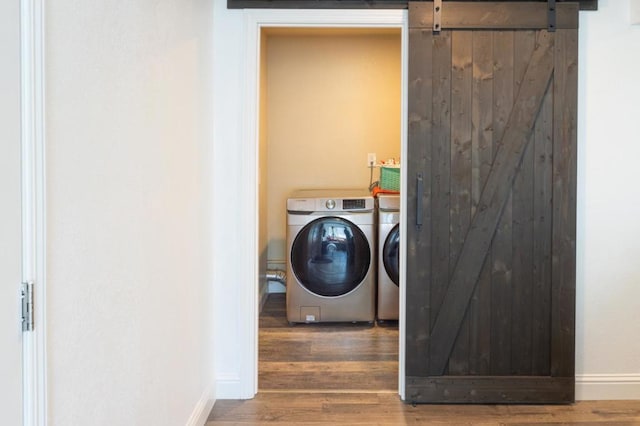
(254, 21)
(33, 206)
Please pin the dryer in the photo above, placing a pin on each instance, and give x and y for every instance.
(388, 256)
(330, 256)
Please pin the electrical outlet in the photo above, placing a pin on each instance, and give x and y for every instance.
(371, 159)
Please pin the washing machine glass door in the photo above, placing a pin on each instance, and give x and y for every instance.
(391, 254)
(330, 256)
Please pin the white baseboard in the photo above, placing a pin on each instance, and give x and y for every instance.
(228, 386)
(203, 408)
(264, 293)
(607, 386)
(588, 387)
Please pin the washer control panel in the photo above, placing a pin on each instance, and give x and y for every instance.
(309, 201)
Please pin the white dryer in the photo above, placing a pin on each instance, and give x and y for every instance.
(331, 257)
(388, 256)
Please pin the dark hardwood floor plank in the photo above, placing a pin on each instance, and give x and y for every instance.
(325, 356)
(377, 375)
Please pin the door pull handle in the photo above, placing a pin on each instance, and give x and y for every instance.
(419, 192)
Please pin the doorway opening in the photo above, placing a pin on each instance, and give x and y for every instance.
(327, 98)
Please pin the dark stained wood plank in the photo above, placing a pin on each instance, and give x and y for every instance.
(501, 293)
(481, 160)
(460, 186)
(482, 113)
(492, 15)
(564, 204)
(541, 297)
(522, 228)
(419, 162)
(480, 324)
(441, 170)
(492, 200)
(501, 248)
(461, 87)
(506, 390)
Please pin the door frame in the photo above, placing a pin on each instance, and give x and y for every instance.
(32, 74)
(254, 21)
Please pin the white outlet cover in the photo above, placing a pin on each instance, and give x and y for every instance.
(635, 11)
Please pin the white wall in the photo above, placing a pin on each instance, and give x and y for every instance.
(608, 271)
(129, 303)
(10, 216)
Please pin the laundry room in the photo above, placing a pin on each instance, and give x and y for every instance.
(330, 107)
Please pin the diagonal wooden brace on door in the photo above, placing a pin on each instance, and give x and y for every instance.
(493, 198)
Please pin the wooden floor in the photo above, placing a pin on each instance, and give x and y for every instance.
(286, 408)
(346, 374)
(325, 356)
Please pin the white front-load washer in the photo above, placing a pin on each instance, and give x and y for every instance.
(388, 256)
(331, 274)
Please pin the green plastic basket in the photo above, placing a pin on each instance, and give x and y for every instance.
(390, 178)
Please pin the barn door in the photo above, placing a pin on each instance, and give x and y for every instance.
(491, 203)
